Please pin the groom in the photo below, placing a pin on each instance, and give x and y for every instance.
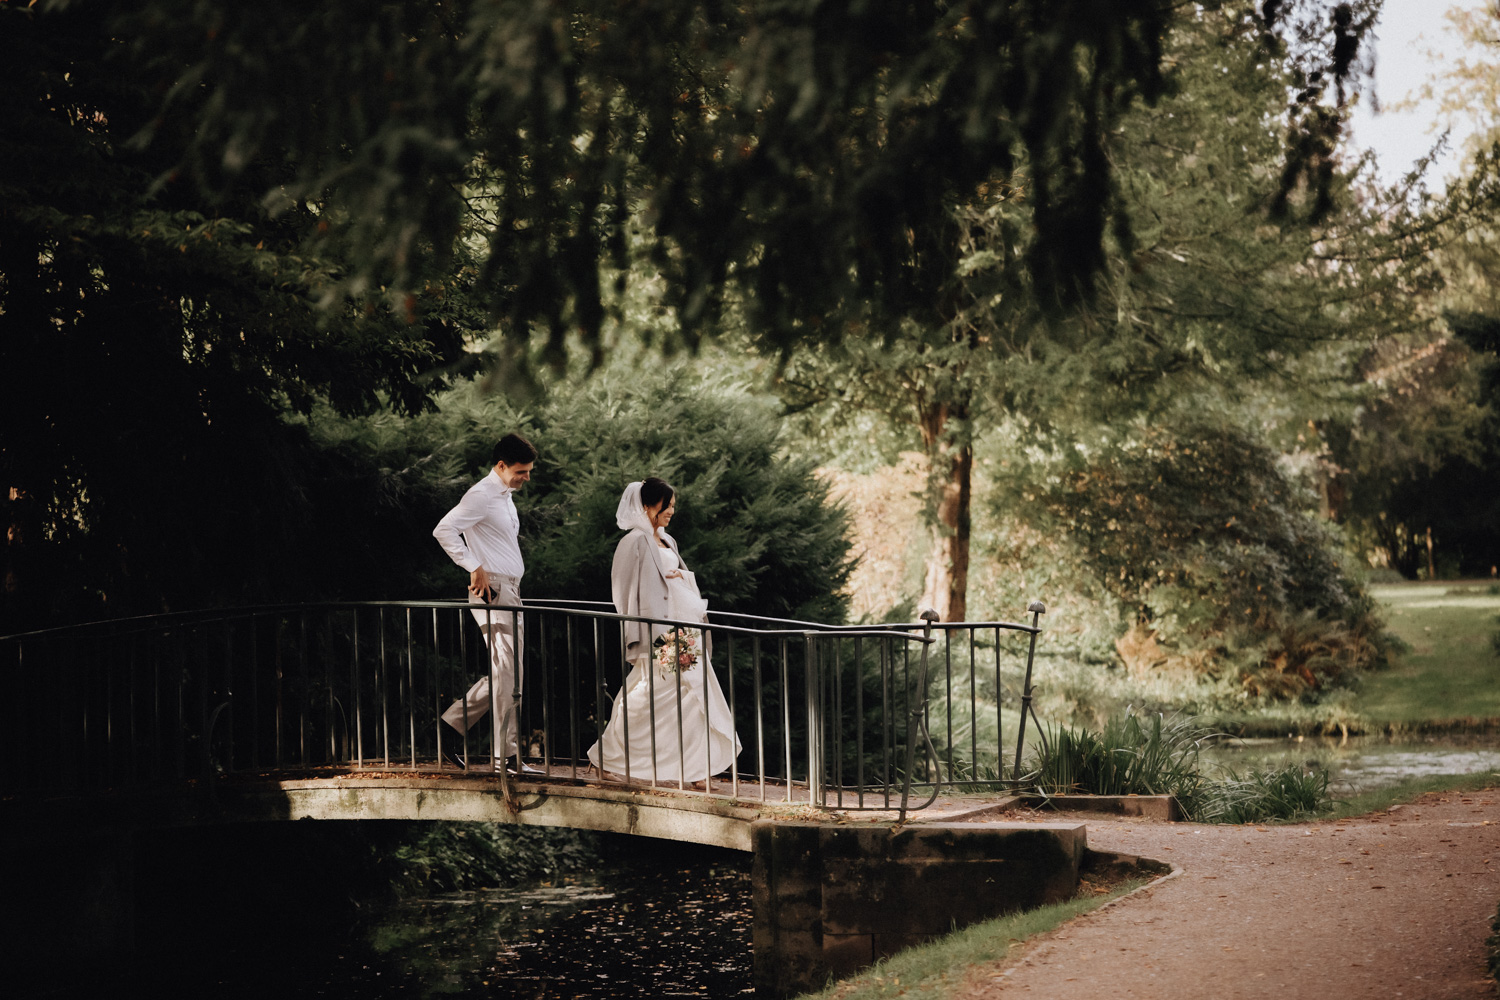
(481, 534)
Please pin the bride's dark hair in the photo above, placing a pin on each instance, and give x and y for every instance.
(654, 491)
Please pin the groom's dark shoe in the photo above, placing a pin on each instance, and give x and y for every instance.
(453, 757)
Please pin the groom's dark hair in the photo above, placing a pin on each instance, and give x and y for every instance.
(654, 491)
(513, 449)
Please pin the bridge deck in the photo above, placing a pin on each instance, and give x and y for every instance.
(721, 815)
(722, 786)
(741, 790)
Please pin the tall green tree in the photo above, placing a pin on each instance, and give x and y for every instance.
(150, 344)
(807, 153)
(1418, 484)
(213, 213)
(1417, 467)
(1217, 292)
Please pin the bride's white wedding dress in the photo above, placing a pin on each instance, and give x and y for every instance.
(666, 725)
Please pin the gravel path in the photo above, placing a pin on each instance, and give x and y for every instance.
(1395, 904)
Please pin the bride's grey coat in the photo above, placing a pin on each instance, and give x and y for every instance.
(639, 588)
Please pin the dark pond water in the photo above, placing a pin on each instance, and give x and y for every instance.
(655, 919)
(641, 929)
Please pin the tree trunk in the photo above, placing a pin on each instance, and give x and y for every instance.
(951, 467)
(1400, 545)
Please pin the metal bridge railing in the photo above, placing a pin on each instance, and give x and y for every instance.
(838, 717)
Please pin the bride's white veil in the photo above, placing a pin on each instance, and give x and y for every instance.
(631, 513)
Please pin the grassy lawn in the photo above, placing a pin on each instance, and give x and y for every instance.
(1407, 791)
(938, 970)
(1452, 671)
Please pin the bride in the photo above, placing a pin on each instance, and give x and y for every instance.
(670, 721)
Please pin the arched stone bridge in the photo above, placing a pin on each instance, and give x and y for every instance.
(329, 713)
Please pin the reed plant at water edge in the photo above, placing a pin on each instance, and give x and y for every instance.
(1289, 792)
(1128, 756)
(1160, 756)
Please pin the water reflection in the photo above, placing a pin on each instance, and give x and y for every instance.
(1362, 764)
(635, 930)
(651, 919)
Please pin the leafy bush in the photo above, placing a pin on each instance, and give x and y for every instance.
(1213, 552)
(1289, 792)
(753, 521)
(1307, 651)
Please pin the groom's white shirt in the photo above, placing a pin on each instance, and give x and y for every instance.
(484, 530)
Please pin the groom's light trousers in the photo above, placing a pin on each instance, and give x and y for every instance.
(504, 634)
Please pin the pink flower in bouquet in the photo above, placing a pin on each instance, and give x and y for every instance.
(677, 649)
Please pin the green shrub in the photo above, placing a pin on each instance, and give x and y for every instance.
(1160, 756)
(1125, 757)
(753, 521)
(1215, 555)
(1199, 522)
(1288, 792)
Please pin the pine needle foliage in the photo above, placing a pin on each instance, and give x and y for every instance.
(753, 521)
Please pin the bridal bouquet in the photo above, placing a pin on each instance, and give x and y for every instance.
(677, 649)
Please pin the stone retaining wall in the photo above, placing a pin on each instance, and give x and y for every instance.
(832, 898)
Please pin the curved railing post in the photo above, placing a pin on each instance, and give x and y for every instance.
(917, 713)
(813, 692)
(1037, 609)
